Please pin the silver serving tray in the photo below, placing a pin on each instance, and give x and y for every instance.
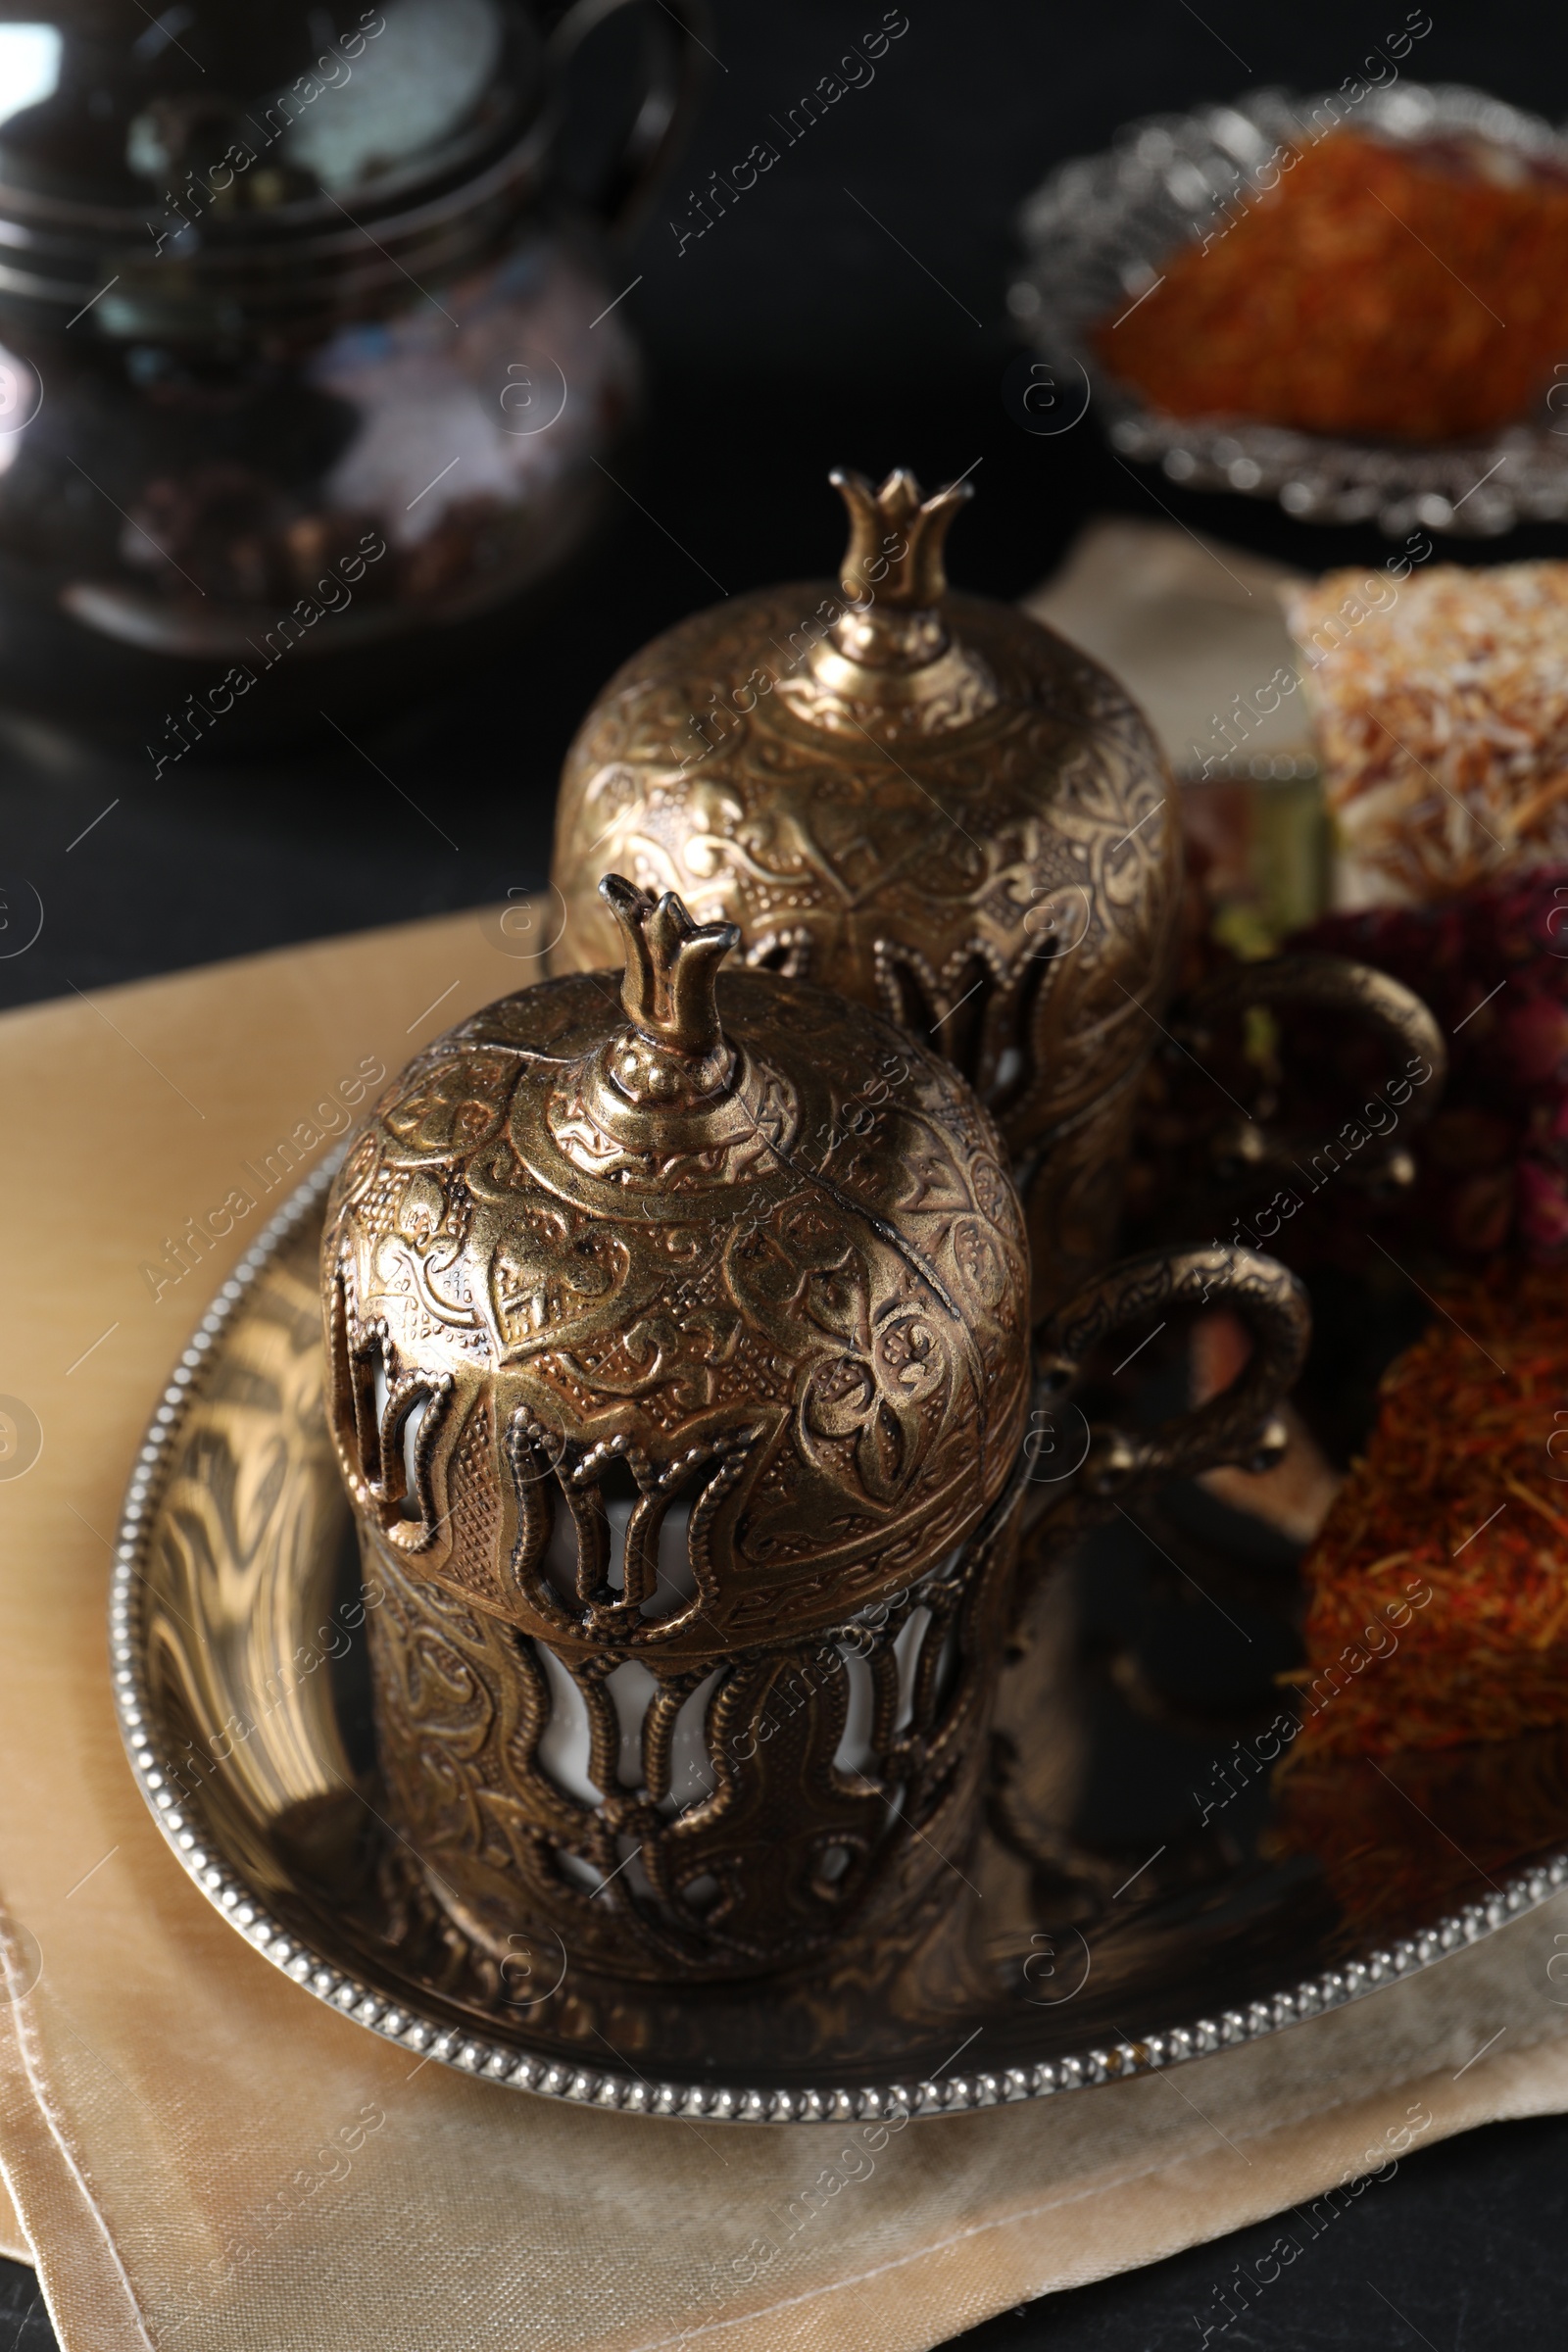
(1096, 232)
(231, 1537)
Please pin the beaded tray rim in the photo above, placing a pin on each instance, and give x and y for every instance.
(609, 2087)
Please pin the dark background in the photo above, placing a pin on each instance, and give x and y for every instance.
(798, 335)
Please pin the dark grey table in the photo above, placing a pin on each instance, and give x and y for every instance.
(808, 334)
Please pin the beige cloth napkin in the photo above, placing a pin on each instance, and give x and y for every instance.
(1193, 627)
(162, 2087)
(13, 2237)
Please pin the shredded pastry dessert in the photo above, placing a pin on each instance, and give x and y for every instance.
(1440, 706)
(1437, 1589)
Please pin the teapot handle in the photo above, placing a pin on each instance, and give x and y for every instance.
(1239, 1425)
(673, 71)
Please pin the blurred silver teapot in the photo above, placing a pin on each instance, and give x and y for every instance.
(305, 353)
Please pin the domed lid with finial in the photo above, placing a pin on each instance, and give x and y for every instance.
(924, 800)
(728, 1249)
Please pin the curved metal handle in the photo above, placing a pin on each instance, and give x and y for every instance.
(1336, 989)
(1236, 1426)
(672, 55)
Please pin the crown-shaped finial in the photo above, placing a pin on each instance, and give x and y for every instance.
(674, 1051)
(666, 1102)
(896, 539)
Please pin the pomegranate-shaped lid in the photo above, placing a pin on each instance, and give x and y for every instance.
(926, 801)
(721, 1249)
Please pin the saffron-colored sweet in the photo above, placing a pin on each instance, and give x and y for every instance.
(1415, 292)
(1438, 1586)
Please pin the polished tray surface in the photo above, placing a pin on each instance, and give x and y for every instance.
(1102, 1924)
